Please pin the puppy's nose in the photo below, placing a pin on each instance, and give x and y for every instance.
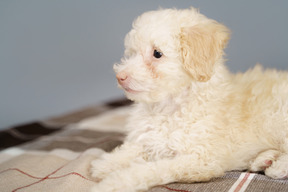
(121, 77)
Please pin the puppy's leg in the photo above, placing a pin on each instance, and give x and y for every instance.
(142, 176)
(264, 160)
(118, 159)
(279, 168)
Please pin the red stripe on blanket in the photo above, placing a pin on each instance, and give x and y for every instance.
(242, 182)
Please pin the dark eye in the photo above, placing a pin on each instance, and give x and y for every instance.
(157, 54)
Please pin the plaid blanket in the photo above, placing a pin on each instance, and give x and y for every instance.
(55, 155)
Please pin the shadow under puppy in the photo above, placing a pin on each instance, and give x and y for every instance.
(192, 120)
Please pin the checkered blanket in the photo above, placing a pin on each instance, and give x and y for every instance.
(55, 154)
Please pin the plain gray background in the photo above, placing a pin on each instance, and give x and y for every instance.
(57, 55)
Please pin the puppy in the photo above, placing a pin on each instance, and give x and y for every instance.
(192, 119)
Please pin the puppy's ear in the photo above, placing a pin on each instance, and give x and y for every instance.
(201, 46)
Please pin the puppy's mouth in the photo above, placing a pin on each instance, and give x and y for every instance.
(131, 90)
(128, 89)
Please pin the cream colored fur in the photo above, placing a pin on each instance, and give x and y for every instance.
(192, 119)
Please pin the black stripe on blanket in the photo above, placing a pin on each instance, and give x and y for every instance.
(24, 133)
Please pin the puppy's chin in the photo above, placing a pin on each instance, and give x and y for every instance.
(145, 96)
(138, 96)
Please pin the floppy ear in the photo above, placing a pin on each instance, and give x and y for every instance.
(201, 46)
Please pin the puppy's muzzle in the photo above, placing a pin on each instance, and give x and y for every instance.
(122, 78)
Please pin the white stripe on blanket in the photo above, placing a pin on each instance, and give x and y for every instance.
(242, 182)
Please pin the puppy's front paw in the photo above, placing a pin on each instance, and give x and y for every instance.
(279, 168)
(264, 160)
(100, 169)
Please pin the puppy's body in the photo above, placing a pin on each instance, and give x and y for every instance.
(193, 120)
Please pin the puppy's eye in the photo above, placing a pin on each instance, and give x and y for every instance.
(157, 54)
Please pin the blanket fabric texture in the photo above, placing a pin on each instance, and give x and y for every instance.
(55, 154)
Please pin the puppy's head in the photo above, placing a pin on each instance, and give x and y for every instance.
(166, 51)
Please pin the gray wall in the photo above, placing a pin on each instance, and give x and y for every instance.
(57, 55)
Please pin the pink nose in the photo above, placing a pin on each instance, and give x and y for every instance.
(121, 77)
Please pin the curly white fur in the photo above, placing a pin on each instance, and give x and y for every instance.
(192, 119)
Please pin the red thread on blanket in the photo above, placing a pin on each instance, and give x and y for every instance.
(28, 185)
(19, 170)
(72, 173)
(39, 180)
(171, 189)
(46, 177)
(34, 177)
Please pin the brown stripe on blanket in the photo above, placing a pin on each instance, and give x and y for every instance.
(264, 183)
(78, 115)
(107, 145)
(31, 131)
(223, 183)
(77, 140)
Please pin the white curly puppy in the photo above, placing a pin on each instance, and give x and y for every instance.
(193, 120)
